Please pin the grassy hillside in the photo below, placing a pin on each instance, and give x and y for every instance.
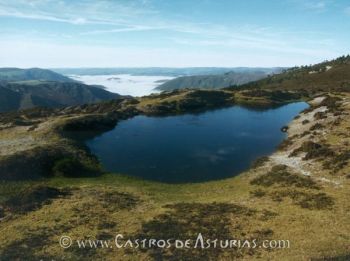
(327, 76)
(212, 81)
(9, 100)
(50, 94)
(17, 74)
(300, 193)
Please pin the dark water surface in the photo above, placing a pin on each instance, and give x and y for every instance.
(192, 148)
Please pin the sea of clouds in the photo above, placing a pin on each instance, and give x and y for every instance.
(124, 84)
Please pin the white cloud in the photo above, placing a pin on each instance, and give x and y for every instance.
(41, 54)
(197, 44)
(260, 46)
(347, 10)
(18, 14)
(313, 5)
(133, 28)
(76, 12)
(318, 6)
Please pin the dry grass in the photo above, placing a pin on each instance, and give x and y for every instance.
(266, 202)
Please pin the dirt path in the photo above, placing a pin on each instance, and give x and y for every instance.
(297, 127)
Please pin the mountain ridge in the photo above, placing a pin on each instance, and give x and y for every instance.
(212, 81)
(333, 75)
(14, 96)
(162, 71)
(13, 74)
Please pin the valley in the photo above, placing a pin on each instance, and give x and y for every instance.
(54, 185)
(158, 130)
(125, 84)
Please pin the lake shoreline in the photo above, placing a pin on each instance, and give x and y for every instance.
(184, 139)
(274, 193)
(54, 134)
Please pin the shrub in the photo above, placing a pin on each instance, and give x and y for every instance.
(279, 175)
(331, 103)
(320, 115)
(259, 162)
(337, 121)
(338, 162)
(114, 201)
(258, 193)
(71, 167)
(285, 143)
(316, 201)
(267, 214)
(67, 167)
(307, 110)
(213, 220)
(317, 126)
(312, 201)
(305, 133)
(278, 96)
(313, 150)
(33, 198)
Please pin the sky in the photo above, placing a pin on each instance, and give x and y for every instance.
(172, 33)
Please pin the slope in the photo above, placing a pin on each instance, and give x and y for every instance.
(212, 81)
(327, 76)
(17, 74)
(50, 94)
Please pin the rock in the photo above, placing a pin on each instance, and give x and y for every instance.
(284, 128)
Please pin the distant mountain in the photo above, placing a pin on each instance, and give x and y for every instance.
(15, 96)
(160, 71)
(33, 74)
(213, 81)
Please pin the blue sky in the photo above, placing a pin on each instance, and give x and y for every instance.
(172, 33)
